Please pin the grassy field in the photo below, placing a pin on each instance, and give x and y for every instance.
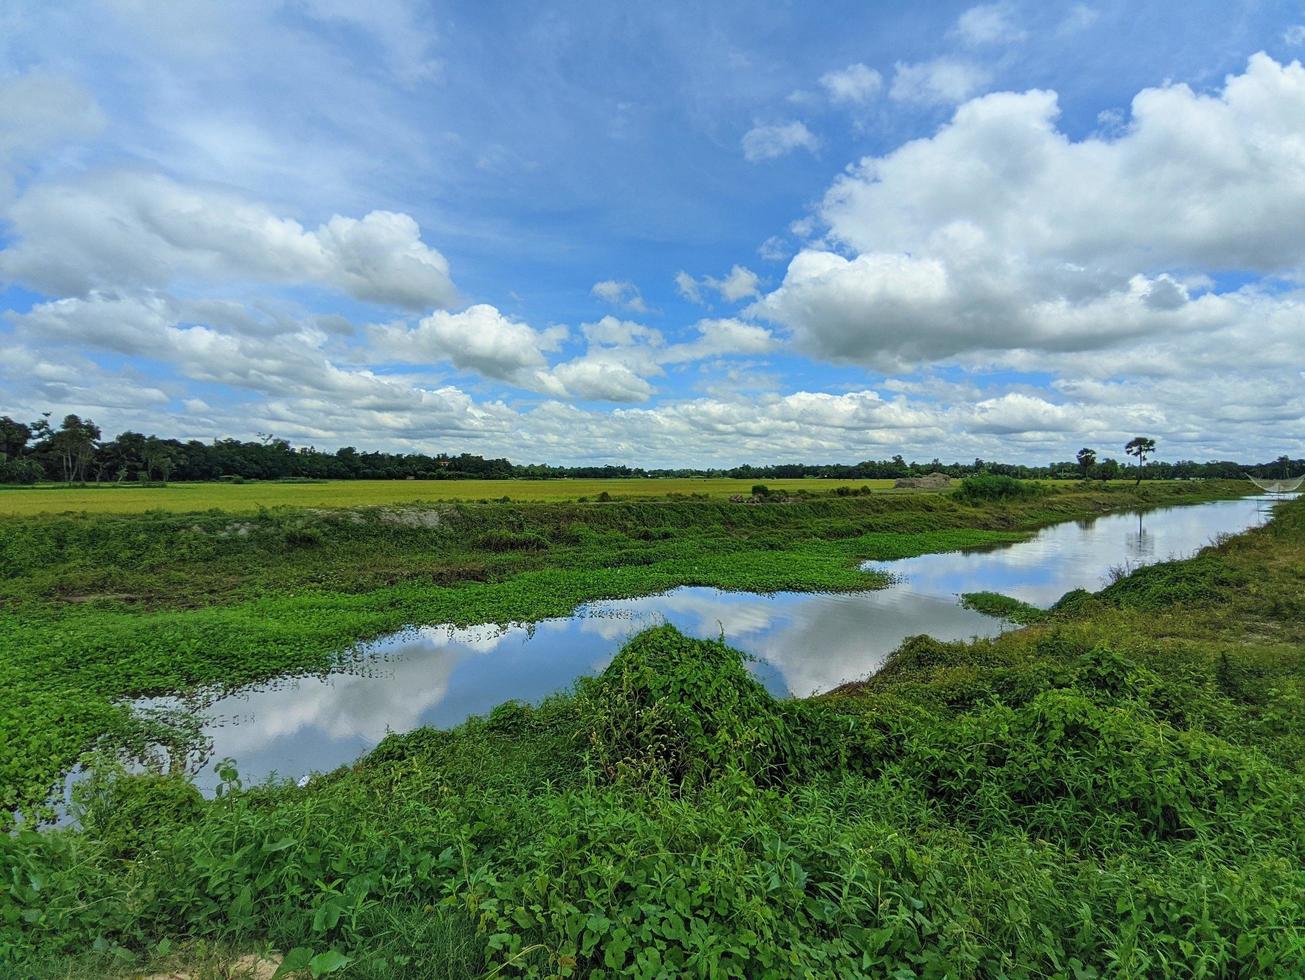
(246, 497)
(1113, 791)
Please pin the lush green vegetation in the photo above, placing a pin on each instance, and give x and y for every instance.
(1003, 607)
(99, 608)
(1112, 792)
(989, 486)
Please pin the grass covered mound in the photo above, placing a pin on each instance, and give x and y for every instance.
(1003, 607)
(1112, 792)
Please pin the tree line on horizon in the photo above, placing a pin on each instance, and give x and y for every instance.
(74, 452)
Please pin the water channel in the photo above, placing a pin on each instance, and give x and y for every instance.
(803, 643)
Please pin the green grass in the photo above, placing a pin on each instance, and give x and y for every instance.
(250, 496)
(1111, 792)
(1003, 607)
(100, 608)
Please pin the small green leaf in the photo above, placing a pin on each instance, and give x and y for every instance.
(615, 949)
(295, 960)
(326, 916)
(328, 962)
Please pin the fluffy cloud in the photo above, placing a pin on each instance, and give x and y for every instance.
(307, 359)
(123, 230)
(738, 284)
(777, 140)
(479, 339)
(622, 355)
(1016, 412)
(854, 84)
(774, 249)
(989, 23)
(1195, 180)
(973, 239)
(611, 332)
(894, 311)
(1201, 406)
(602, 379)
(688, 287)
(943, 81)
(620, 293)
(721, 338)
(161, 329)
(303, 387)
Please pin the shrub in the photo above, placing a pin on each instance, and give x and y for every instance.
(1097, 778)
(1076, 602)
(986, 486)
(512, 541)
(1202, 580)
(125, 811)
(20, 471)
(682, 710)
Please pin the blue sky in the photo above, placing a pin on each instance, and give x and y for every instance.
(673, 233)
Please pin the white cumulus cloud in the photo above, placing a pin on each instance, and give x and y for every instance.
(943, 81)
(738, 284)
(620, 293)
(853, 84)
(989, 23)
(776, 140)
(1000, 232)
(479, 338)
(131, 229)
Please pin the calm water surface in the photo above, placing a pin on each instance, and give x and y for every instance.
(804, 643)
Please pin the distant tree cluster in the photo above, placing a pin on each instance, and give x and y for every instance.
(74, 451)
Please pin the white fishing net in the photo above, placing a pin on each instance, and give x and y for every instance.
(1278, 486)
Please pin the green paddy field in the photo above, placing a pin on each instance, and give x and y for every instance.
(245, 497)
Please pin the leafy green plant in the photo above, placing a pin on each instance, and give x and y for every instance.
(1112, 791)
(987, 486)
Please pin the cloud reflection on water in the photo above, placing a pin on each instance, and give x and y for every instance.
(805, 643)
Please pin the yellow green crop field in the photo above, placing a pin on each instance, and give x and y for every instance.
(239, 497)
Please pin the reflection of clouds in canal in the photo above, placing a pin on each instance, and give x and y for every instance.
(341, 706)
(702, 612)
(1075, 554)
(847, 637)
(813, 642)
(481, 639)
(440, 675)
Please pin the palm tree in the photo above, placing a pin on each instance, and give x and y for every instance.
(1141, 447)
